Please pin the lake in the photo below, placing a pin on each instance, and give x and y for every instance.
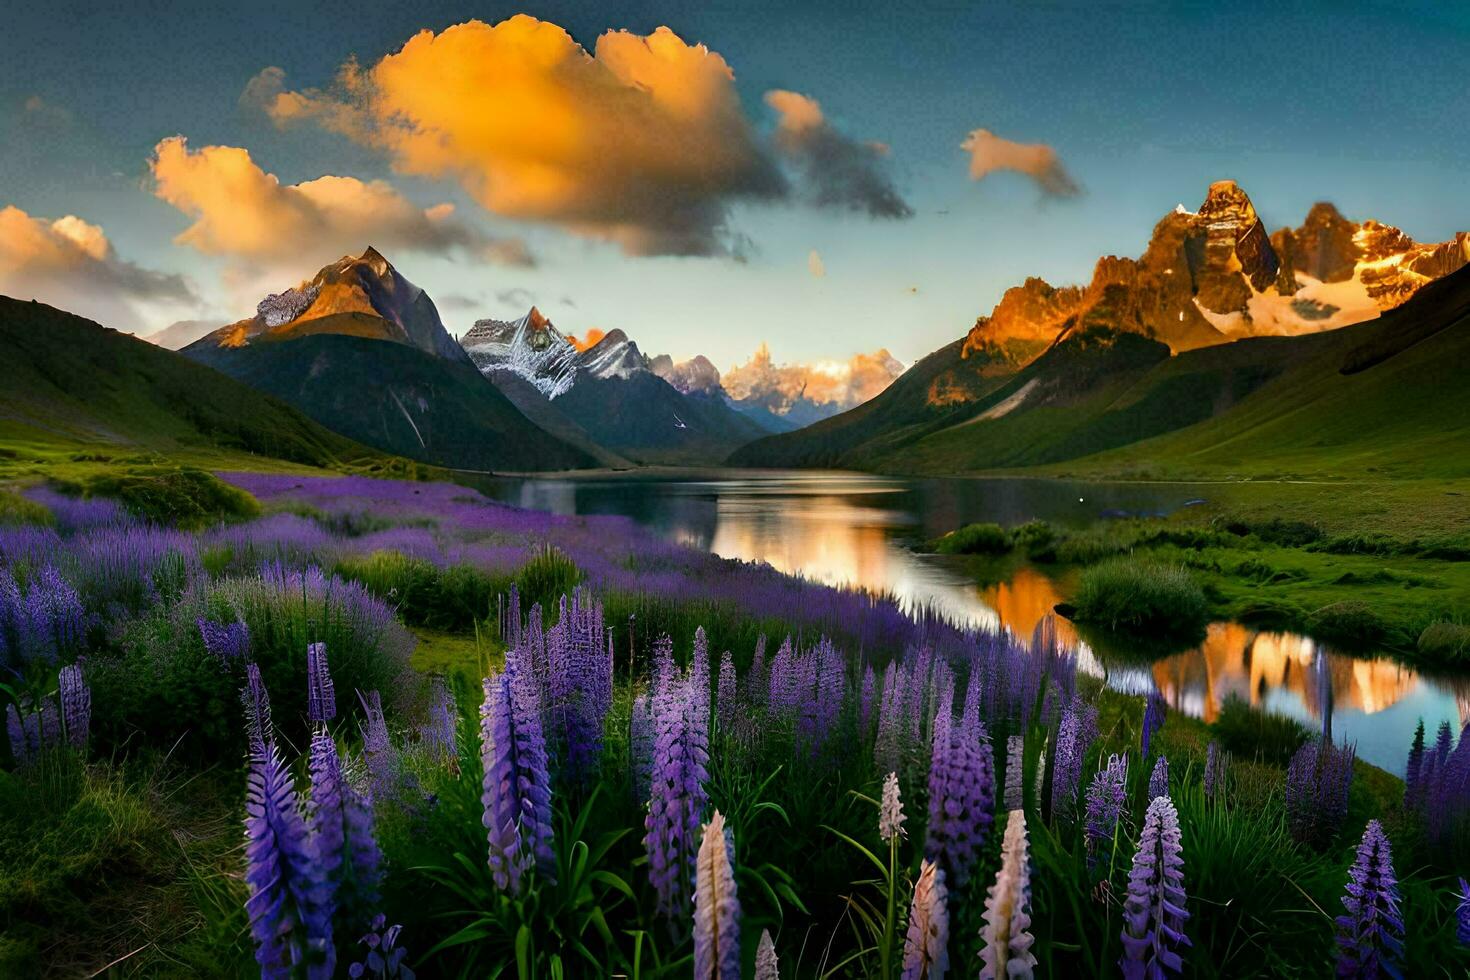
(853, 529)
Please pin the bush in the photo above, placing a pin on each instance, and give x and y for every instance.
(1251, 735)
(161, 686)
(1351, 622)
(1037, 539)
(452, 598)
(1141, 597)
(1289, 534)
(548, 576)
(975, 539)
(1445, 641)
(175, 496)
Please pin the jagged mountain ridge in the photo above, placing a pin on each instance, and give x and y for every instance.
(363, 296)
(1214, 275)
(530, 347)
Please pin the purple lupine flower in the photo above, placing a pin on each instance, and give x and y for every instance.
(961, 790)
(51, 619)
(577, 688)
(677, 798)
(290, 925)
(226, 642)
(321, 699)
(926, 945)
(664, 670)
(1153, 911)
(384, 959)
(887, 746)
(1370, 937)
(1015, 765)
(1462, 914)
(10, 613)
(76, 704)
(1317, 783)
(890, 810)
(640, 748)
(1215, 763)
(440, 732)
(517, 786)
(341, 836)
(725, 705)
(377, 747)
(1158, 780)
(1153, 719)
(865, 701)
(756, 688)
(716, 905)
(1075, 734)
(1107, 802)
(1006, 934)
(23, 725)
(767, 966)
(257, 704)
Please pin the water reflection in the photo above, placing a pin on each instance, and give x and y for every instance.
(855, 530)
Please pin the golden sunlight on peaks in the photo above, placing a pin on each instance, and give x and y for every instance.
(593, 336)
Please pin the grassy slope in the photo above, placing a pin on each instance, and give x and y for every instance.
(399, 399)
(75, 393)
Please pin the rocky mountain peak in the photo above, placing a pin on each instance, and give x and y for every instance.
(1227, 201)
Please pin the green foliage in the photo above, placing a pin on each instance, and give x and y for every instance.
(975, 539)
(423, 594)
(1259, 735)
(177, 496)
(1351, 622)
(1445, 642)
(548, 576)
(1140, 596)
(16, 509)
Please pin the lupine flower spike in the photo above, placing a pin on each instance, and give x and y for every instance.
(1153, 719)
(767, 966)
(1462, 914)
(1007, 936)
(925, 948)
(890, 811)
(716, 906)
(1107, 801)
(76, 704)
(1015, 754)
(321, 699)
(1153, 911)
(257, 704)
(1158, 782)
(1370, 937)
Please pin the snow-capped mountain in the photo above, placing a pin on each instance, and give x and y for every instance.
(361, 296)
(614, 356)
(530, 347)
(1214, 275)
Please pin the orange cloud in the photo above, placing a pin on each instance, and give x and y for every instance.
(241, 211)
(642, 142)
(989, 153)
(839, 172)
(594, 335)
(70, 263)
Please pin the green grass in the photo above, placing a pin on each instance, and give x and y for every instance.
(975, 539)
(179, 496)
(1142, 597)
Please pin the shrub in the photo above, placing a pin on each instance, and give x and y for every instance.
(1248, 734)
(1290, 534)
(176, 496)
(548, 576)
(1351, 622)
(422, 593)
(1037, 539)
(1139, 596)
(1445, 641)
(975, 539)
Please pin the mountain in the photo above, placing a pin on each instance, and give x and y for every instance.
(362, 350)
(1214, 275)
(800, 394)
(1385, 395)
(1211, 313)
(355, 297)
(609, 399)
(181, 333)
(69, 380)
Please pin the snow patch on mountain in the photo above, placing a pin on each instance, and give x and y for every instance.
(530, 347)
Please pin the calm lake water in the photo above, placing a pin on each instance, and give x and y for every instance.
(850, 529)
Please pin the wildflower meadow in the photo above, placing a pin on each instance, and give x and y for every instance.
(391, 729)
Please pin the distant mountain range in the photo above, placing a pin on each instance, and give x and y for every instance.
(1216, 324)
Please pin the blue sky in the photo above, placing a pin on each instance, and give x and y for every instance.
(1143, 104)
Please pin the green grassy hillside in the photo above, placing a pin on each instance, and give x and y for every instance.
(69, 387)
(398, 399)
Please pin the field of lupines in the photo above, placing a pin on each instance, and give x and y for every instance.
(651, 762)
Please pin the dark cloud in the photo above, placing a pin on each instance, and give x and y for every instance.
(838, 171)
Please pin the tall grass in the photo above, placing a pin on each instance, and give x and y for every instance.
(1142, 596)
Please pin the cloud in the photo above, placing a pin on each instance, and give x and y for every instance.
(515, 297)
(989, 153)
(643, 141)
(243, 212)
(457, 301)
(70, 263)
(815, 265)
(839, 172)
(843, 384)
(264, 87)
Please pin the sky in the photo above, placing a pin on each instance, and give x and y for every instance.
(812, 177)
